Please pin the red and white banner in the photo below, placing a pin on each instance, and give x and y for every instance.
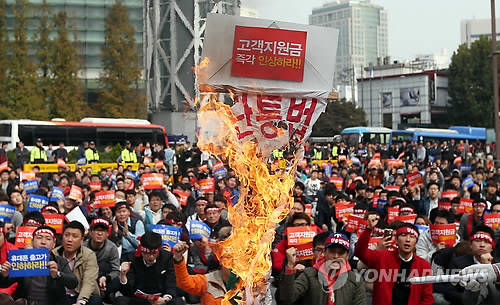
(94, 186)
(343, 209)
(104, 199)
(304, 251)
(338, 181)
(449, 194)
(444, 205)
(465, 206)
(394, 163)
(355, 222)
(55, 221)
(308, 209)
(27, 175)
(444, 233)
(269, 53)
(183, 196)
(300, 235)
(415, 179)
(391, 188)
(24, 236)
(492, 220)
(75, 193)
(392, 214)
(407, 218)
(152, 181)
(207, 185)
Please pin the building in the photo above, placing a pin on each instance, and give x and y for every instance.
(362, 37)
(402, 94)
(87, 18)
(249, 12)
(174, 31)
(471, 30)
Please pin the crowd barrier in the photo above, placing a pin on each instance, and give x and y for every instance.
(54, 167)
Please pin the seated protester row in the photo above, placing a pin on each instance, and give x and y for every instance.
(149, 278)
(329, 281)
(398, 264)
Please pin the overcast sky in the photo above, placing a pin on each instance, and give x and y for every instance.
(415, 27)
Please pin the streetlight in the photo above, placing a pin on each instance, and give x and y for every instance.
(494, 52)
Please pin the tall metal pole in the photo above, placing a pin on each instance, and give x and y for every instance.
(495, 79)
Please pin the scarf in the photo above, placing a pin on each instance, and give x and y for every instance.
(320, 266)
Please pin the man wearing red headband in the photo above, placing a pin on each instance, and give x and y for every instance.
(482, 245)
(150, 277)
(399, 265)
(213, 219)
(45, 290)
(469, 221)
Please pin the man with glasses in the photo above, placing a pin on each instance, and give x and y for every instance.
(149, 278)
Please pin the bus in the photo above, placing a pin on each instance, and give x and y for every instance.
(352, 136)
(422, 135)
(103, 131)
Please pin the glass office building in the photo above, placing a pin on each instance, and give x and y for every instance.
(87, 20)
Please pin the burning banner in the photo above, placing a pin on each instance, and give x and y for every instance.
(279, 76)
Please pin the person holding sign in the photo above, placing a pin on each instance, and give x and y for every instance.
(328, 270)
(108, 259)
(425, 246)
(45, 290)
(482, 245)
(149, 278)
(469, 221)
(403, 260)
(82, 262)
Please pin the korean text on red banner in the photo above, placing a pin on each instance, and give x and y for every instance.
(55, 221)
(446, 233)
(300, 235)
(152, 181)
(104, 199)
(24, 236)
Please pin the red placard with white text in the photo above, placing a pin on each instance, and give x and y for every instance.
(355, 222)
(449, 194)
(394, 163)
(207, 185)
(300, 235)
(392, 213)
(94, 186)
(152, 181)
(443, 205)
(104, 199)
(5, 166)
(269, 53)
(304, 251)
(61, 163)
(343, 209)
(338, 181)
(492, 220)
(308, 209)
(391, 188)
(55, 221)
(415, 179)
(75, 193)
(465, 206)
(446, 233)
(407, 218)
(24, 236)
(183, 196)
(27, 175)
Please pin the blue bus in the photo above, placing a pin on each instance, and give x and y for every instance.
(423, 135)
(352, 136)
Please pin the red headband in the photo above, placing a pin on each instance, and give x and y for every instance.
(406, 209)
(201, 201)
(147, 250)
(122, 206)
(99, 221)
(32, 222)
(172, 222)
(45, 231)
(50, 208)
(408, 230)
(484, 205)
(483, 236)
(212, 210)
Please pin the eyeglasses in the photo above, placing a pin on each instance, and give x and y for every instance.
(319, 249)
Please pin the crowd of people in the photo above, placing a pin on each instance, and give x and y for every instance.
(371, 210)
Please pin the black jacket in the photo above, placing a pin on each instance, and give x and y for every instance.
(159, 278)
(56, 287)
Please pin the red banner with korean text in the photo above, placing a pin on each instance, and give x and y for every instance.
(449, 194)
(415, 179)
(152, 181)
(104, 199)
(444, 205)
(308, 209)
(394, 163)
(207, 185)
(492, 220)
(392, 213)
(55, 221)
(269, 53)
(27, 175)
(444, 233)
(407, 218)
(183, 196)
(94, 186)
(356, 223)
(465, 206)
(337, 181)
(24, 236)
(75, 193)
(304, 251)
(343, 209)
(300, 235)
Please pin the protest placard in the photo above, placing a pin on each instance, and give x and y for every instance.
(36, 202)
(468, 182)
(446, 233)
(152, 181)
(6, 212)
(24, 236)
(415, 179)
(392, 213)
(300, 235)
(343, 209)
(94, 186)
(207, 185)
(354, 222)
(444, 205)
(449, 194)
(56, 194)
(407, 218)
(465, 206)
(392, 188)
(75, 193)
(28, 262)
(27, 175)
(394, 163)
(4, 166)
(55, 221)
(30, 186)
(61, 163)
(308, 209)
(169, 234)
(337, 181)
(183, 196)
(104, 199)
(77, 215)
(304, 251)
(492, 220)
(220, 172)
(199, 229)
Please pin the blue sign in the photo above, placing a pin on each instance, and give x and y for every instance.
(57, 193)
(29, 262)
(220, 173)
(81, 162)
(36, 202)
(31, 186)
(199, 229)
(465, 169)
(131, 175)
(6, 212)
(169, 234)
(381, 204)
(328, 170)
(468, 182)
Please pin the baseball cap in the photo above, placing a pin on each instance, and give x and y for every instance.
(100, 222)
(127, 142)
(91, 143)
(38, 140)
(337, 239)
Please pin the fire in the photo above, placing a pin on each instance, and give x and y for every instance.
(265, 199)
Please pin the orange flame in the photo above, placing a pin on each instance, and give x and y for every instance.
(265, 199)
